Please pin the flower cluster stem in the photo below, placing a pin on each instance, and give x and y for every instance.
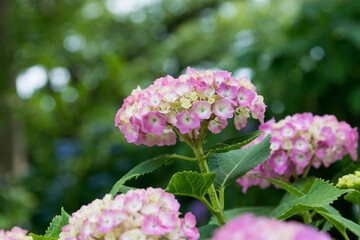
(307, 169)
(307, 217)
(219, 210)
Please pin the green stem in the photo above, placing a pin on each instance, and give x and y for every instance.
(219, 214)
(207, 155)
(208, 205)
(296, 176)
(185, 137)
(306, 172)
(345, 236)
(215, 207)
(313, 214)
(306, 217)
(184, 157)
(221, 196)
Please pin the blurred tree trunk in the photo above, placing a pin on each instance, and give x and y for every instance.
(12, 152)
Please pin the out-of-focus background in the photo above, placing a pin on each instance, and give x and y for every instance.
(66, 66)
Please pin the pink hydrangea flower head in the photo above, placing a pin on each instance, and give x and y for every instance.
(152, 116)
(300, 140)
(138, 214)
(15, 233)
(248, 226)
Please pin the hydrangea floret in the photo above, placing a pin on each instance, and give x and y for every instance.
(350, 181)
(299, 142)
(15, 233)
(248, 226)
(139, 214)
(184, 105)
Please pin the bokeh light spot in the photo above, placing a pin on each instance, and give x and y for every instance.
(74, 42)
(31, 79)
(59, 78)
(317, 53)
(47, 103)
(244, 72)
(69, 95)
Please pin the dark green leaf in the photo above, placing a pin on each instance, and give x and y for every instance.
(141, 169)
(341, 223)
(192, 184)
(56, 224)
(321, 194)
(232, 165)
(206, 231)
(327, 226)
(302, 185)
(234, 143)
(353, 197)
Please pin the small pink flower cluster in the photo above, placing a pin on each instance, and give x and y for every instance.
(300, 140)
(149, 116)
(138, 214)
(15, 233)
(248, 227)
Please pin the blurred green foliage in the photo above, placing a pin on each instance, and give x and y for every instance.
(303, 56)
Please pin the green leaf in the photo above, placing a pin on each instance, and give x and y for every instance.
(125, 189)
(39, 237)
(302, 185)
(232, 165)
(287, 187)
(231, 213)
(234, 143)
(141, 169)
(327, 226)
(320, 194)
(206, 231)
(353, 197)
(192, 184)
(341, 223)
(56, 224)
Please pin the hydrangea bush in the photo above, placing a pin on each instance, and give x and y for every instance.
(299, 142)
(187, 108)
